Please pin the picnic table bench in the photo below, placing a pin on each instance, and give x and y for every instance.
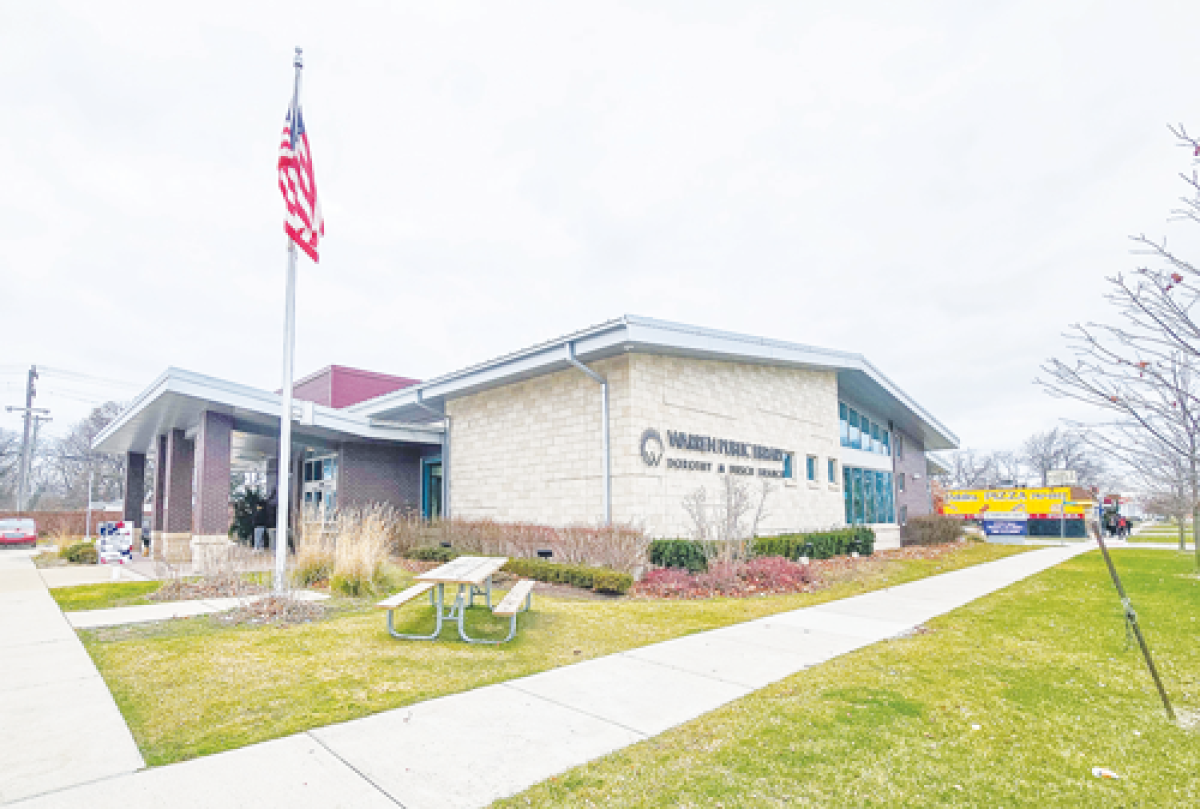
(473, 577)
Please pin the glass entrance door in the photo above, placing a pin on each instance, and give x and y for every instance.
(431, 487)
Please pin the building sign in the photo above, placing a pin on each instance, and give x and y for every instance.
(978, 504)
(1006, 528)
(653, 451)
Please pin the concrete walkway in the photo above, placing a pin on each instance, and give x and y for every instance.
(146, 613)
(59, 725)
(469, 749)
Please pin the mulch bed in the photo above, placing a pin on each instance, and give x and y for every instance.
(279, 610)
(208, 587)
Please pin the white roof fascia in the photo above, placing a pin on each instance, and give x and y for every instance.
(243, 397)
(631, 333)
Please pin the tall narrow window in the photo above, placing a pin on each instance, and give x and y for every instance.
(886, 438)
(832, 470)
(855, 432)
(900, 481)
(811, 468)
(844, 424)
(876, 443)
(899, 445)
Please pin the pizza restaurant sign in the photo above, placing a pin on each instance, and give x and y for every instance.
(1012, 504)
(734, 457)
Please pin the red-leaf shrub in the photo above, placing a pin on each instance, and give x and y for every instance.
(770, 574)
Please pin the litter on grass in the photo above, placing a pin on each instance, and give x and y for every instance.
(1104, 772)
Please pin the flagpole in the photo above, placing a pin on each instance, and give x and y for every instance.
(283, 509)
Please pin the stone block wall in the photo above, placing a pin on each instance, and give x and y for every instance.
(532, 450)
(786, 408)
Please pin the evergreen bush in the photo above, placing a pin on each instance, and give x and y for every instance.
(681, 553)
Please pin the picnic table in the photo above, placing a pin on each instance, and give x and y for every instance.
(473, 577)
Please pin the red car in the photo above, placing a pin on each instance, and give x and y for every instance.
(20, 531)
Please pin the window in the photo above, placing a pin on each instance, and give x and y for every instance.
(855, 432)
(832, 470)
(811, 468)
(876, 443)
(787, 465)
(903, 515)
(900, 481)
(899, 445)
(844, 424)
(886, 438)
(847, 495)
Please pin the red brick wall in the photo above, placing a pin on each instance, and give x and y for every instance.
(65, 523)
(340, 386)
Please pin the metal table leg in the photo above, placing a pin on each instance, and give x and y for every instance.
(438, 604)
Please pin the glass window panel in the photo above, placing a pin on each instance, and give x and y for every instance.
(855, 433)
(787, 465)
(891, 497)
(858, 495)
(832, 471)
(868, 495)
(847, 495)
(812, 467)
(844, 424)
(876, 444)
(864, 424)
(887, 442)
(307, 472)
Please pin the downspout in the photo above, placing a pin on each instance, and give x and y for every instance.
(445, 455)
(604, 417)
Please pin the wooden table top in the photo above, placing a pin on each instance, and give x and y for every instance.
(465, 570)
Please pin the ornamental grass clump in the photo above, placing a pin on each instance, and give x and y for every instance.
(315, 539)
(364, 538)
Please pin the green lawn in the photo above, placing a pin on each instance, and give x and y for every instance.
(103, 596)
(1042, 668)
(193, 687)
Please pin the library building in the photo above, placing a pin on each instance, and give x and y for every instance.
(629, 421)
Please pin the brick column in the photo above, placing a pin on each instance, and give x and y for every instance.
(157, 526)
(135, 493)
(177, 507)
(210, 520)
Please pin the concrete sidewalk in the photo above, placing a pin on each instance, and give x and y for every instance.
(167, 610)
(469, 749)
(59, 725)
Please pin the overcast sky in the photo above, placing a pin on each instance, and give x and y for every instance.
(942, 187)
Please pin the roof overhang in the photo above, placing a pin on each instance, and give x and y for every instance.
(858, 379)
(177, 398)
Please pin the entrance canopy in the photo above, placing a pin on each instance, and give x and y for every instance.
(176, 400)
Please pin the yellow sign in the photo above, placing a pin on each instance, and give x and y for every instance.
(1036, 503)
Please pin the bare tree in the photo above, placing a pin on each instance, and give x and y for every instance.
(1143, 372)
(970, 470)
(65, 464)
(10, 464)
(1062, 449)
(727, 524)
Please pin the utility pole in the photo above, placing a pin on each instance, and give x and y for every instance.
(26, 444)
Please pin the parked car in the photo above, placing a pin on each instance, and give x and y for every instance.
(18, 531)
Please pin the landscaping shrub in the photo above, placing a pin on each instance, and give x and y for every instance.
(80, 553)
(768, 574)
(601, 580)
(619, 547)
(819, 544)
(611, 582)
(432, 554)
(682, 553)
(932, 529)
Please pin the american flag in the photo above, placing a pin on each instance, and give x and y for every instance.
(303, 222)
